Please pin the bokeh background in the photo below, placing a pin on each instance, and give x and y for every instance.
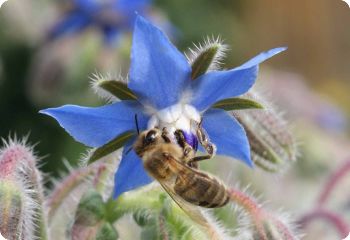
(309, 83)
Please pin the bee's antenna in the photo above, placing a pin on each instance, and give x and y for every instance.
(137, 125)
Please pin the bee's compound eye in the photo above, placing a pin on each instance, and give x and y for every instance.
(150, 137)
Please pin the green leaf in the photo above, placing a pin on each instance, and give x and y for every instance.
(117, 89)
(203, 61)
(230, 104)
(111, 146)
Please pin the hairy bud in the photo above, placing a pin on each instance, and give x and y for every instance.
(106, 232)
(21, 192)
(90, 209)
(11, 210)
(272, 229)
(272, 145)
(261, 223)
(90, 220)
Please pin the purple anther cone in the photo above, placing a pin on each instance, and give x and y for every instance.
(192, 140)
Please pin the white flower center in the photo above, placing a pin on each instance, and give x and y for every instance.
(178, 116)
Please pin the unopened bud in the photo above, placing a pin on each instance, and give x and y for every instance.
(106, 232)
(272, 145)
(91, 209)
(11, 210)
(21, 192)
(142, 218)
(272, 229)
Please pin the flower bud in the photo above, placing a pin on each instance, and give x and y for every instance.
(90, 223)
(143, 219)
(106, 232)
(11, 210)
(91, 209)
(21, 192)
(271, 143)
(271, 229)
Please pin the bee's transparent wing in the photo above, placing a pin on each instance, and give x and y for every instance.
(191, 210)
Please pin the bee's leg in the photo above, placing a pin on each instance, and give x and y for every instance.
(203, 139)
(187, 149)
(165, 135)
(200, 158)
(180, 138)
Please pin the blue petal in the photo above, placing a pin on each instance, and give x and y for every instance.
(262, 57)
(227, 134)
(158, 72)
(72, 23)
(217, 85)
(95, 126)
(130, 174)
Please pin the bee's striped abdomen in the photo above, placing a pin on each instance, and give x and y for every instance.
(201, 189)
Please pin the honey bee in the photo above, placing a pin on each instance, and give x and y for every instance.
(170, 164)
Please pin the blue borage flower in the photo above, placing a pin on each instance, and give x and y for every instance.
(160, 77)
(111, 17)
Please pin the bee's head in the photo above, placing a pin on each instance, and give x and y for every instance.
(151, 137)
(148, 139)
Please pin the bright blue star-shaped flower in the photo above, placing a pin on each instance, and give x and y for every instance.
(160, 77)
(111, 17)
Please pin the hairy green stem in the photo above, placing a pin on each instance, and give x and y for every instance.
(71, 182)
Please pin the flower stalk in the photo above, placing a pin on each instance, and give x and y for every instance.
(265, 226)
(334, 219)
(333, 181)
(64, 188)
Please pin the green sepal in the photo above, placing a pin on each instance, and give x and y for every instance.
(203, 61)
(111, 146)
(107, 232)
(230, 104)
(118, 89)
(263, 155)
(91, 209)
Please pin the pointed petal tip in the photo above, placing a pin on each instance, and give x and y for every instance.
(96, 126)
(140, 20)
(249, 162)
(42, 111)
(246, 159)
(277, 50)
(116, 193)
(153, 59)
(46, 111)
